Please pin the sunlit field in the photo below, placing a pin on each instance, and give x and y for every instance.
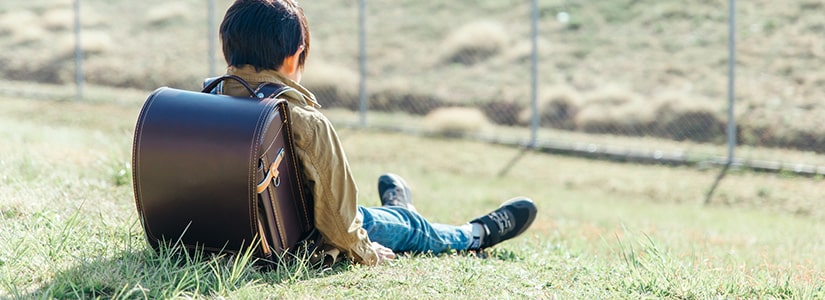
(69, 228)
(443, 77)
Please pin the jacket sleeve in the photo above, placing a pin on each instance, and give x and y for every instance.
(328, 176)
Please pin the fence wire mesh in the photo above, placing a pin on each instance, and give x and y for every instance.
(619, 76)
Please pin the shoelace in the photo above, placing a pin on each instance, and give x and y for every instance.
(503, 220)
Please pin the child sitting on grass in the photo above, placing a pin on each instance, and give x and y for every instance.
(269, 41)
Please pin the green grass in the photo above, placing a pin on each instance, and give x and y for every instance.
(69, 229)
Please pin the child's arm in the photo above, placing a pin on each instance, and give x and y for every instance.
(328, 175)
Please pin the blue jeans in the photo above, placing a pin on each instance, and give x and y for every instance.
(403, 230)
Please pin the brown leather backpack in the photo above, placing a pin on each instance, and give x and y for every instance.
(218, 173)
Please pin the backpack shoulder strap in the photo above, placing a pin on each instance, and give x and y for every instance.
(214, 85)
(270, 90)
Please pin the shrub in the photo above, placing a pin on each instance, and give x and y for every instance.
(334, 86)
(594, 119)
(758, 127)
(521, 51)
(558, 107)
(13, 22)
(610, 96)
(387, 96)
(92, 42)
(504, 112)
(634, 119)
(399, 96)
(22, 29)
(166, 14)
(770, 128)
(614, 110)
(682, 117)
(456, 121)
(806, 136)
(474, 42)
(58, 19)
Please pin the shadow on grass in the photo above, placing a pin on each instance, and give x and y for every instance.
(170, 274)
(176, 273)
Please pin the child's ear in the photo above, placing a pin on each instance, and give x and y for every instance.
(290, 65)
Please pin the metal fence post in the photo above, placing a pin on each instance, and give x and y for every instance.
(78, 52)
(211, 34)
(731, 130)
(362, 61)
(731, 80)
(534, 58)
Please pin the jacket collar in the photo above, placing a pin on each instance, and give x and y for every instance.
(254, 78)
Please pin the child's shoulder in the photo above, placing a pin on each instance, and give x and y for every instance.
(305, 115)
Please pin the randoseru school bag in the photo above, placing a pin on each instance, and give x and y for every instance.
(218, 173)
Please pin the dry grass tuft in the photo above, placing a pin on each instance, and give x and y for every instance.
(682, 117)
(504, 111)
(96, 42)
(521, 51)
(335, 86)
(91, 41)
(611, 95)
(595, 119)
(28, 35)
(12, 22)
(167, 14)
(474, 42)
(614, 110)
(764, 127)
(58, 19)
(22, 26)
(558, 106)
(456, 121)
(633, 118)
(399, 95)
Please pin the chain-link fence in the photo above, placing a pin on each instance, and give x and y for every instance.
(627, 79)
(630, 80)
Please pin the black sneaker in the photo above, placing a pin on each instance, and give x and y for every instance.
(509, 220)
(394, 191)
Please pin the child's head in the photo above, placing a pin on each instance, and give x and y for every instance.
(262, 33)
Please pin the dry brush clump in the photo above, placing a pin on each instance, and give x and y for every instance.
(613, 110)
(504, 106)
(682, 117)
(807, 134)
(474, 42)
(58, 19)
(45, 48)
(503, 111)
(801, 129)
(92, 42)
(335, 86)
(456, 121)
(758, 127)
(167, 14)
(631, 119)
(557, 106)
(400, 96)
(23, 27)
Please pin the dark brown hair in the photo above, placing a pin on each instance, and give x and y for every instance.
(262, 33)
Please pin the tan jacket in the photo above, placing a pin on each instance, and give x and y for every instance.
(325, 166)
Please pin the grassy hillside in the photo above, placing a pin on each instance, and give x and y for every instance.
(69, 228)
(627, 67)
